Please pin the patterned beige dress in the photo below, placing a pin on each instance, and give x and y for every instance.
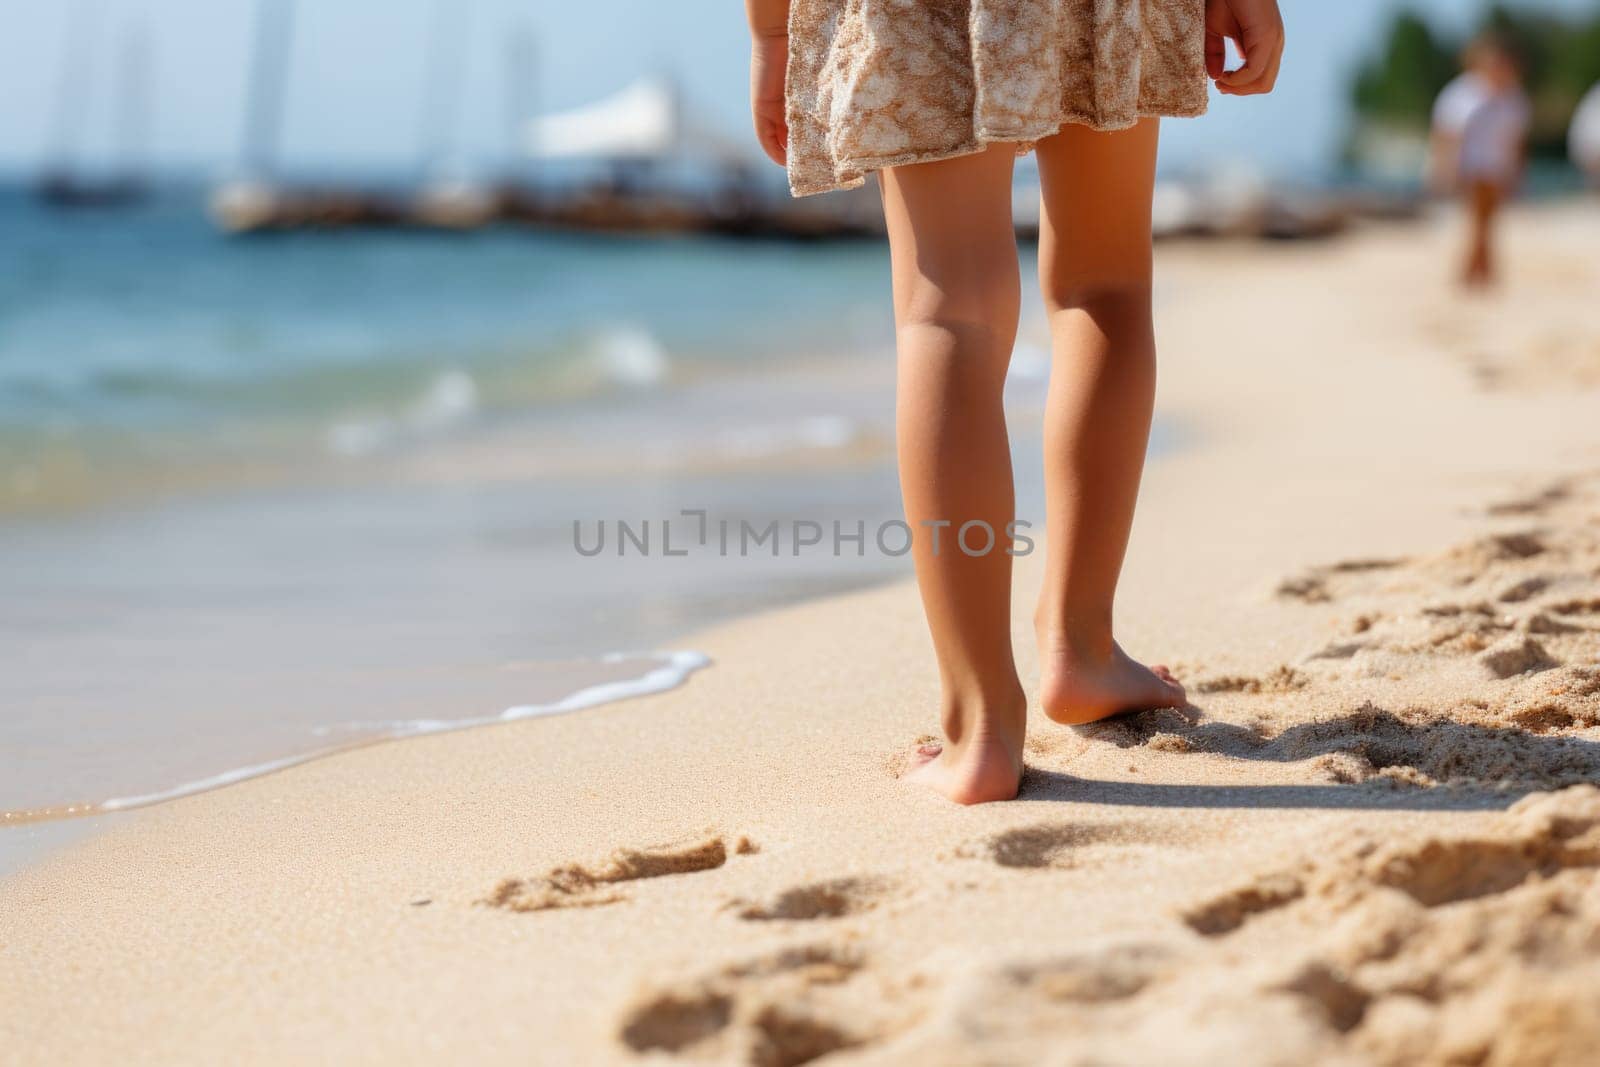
(883, 83)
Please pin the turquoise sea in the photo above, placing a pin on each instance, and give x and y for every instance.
(142, 349)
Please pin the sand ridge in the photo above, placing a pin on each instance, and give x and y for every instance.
(574, 885)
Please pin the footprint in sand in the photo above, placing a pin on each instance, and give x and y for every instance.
(1284, 679)
(999, 999)
(1526, 589)
(1311, 588)
(1111, 974)
(1317, 585)
(1418, 748)
(1479, 608)
(1476, 556)
(1176, 731)
(1549, 625)
(1563, 699)
(1495, 558)
(1507, 743)
(577, 886)
(1515, 655)
(1444, 871)
(1061, 846)
(831, 899)
(1136, 728)
(1472, 628)
(1340, 650)
(1577, 606)
(785, 1009)
(1343, 1003)
(1571, 702)
(1524, 602)
(1534, 503)
(1228, 911)
(1085, 1006)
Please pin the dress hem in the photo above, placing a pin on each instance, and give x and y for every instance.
(852, 173)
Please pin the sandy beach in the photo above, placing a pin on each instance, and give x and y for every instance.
(1374, 837)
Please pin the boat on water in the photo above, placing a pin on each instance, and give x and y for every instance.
(642, 161)
(66, 184)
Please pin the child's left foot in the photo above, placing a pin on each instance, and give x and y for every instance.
(1077, 687)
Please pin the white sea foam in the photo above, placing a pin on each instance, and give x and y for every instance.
(450, 399)
(672, 670)
(812, 432)
(216, 781)
(669, 670)
(631, 356)
(359, 437)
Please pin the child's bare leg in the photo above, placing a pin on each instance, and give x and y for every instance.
(956, 296)
(1482, 205)
(1094, 266)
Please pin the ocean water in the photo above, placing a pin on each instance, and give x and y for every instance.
(266, 498)
(141, 350)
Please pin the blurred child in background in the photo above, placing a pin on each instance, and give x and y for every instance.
(1480, 128)
(1583, 138)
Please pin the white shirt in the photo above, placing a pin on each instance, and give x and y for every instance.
(1490, 126)
(1583, 139)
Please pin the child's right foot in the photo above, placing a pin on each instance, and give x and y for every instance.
(978, 772)
(1076, 687)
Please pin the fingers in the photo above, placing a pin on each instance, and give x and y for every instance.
(1221, 26)
(769, 59)
(773, 133)
(1216, 55)
(1257, 28)
(1261, 85)
(1262, 46)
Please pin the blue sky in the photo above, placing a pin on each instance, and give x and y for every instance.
(358, 74)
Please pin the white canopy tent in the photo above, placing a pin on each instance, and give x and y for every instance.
(642, 123)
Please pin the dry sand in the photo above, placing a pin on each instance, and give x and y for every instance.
(1368, 841)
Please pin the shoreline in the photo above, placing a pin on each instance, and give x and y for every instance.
(485, 486)
(1165, 440)
(1353, 479)
(672, 670)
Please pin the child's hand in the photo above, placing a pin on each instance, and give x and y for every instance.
(769, 62)
(1257, 28)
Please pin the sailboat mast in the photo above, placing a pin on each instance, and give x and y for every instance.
(522, 91)
(441, 105)
(269, 70)
(133, 127)
(72, 92)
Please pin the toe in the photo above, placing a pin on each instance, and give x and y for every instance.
(1170, 679)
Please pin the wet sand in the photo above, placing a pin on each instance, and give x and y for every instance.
(1370, 839)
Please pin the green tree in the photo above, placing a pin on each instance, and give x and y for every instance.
(1398, 86)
